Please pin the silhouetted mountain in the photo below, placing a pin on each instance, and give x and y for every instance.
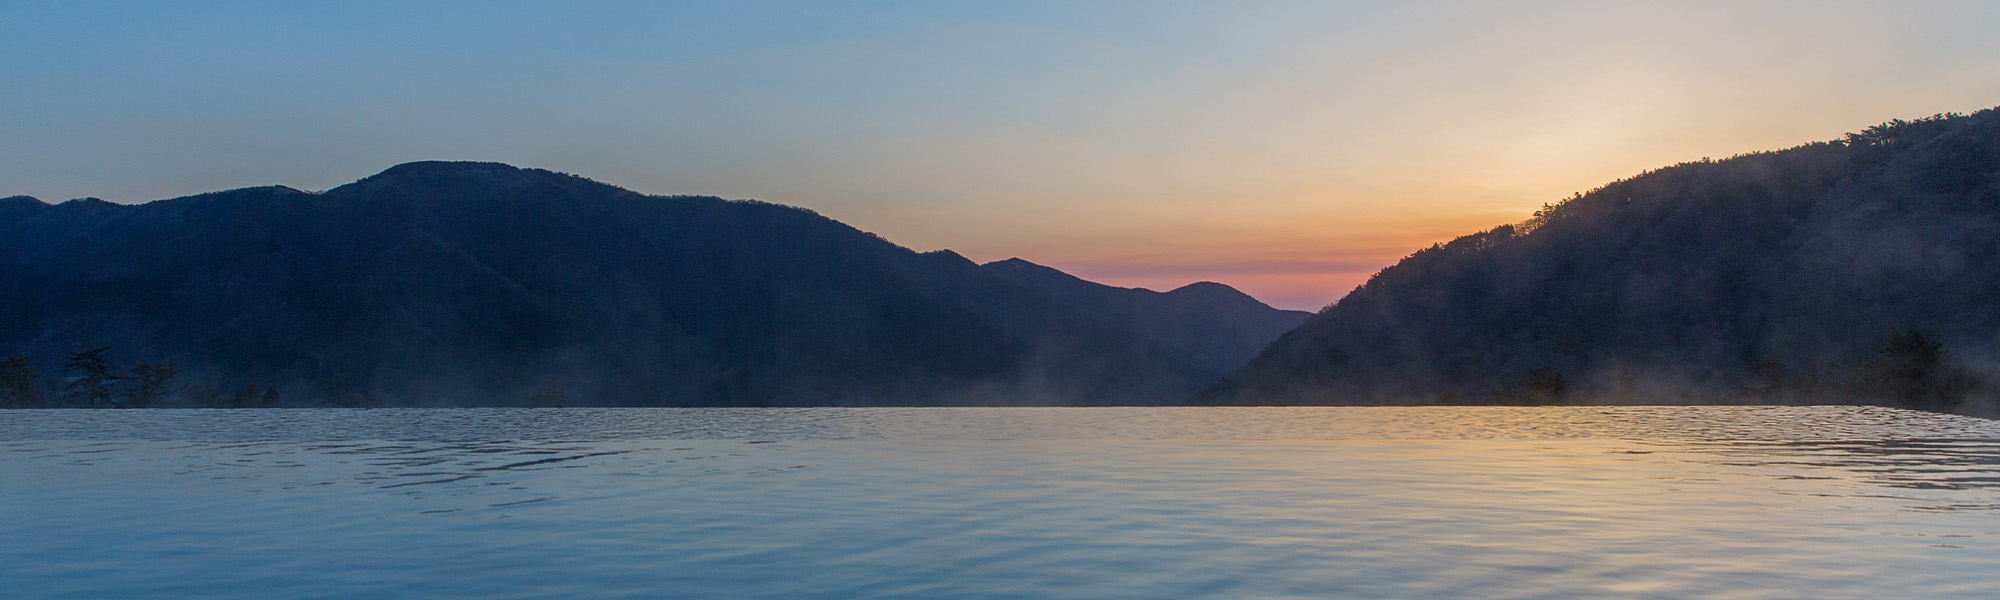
(1700, 281)
(1208, 328)
(480, 283)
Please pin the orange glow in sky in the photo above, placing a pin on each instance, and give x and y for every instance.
(1290, 149)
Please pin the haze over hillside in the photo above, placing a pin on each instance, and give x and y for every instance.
(480, 283)
(1757, 278)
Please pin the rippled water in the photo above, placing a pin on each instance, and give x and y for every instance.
(1647, 502)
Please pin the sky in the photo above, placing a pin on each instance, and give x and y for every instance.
(1289, 149)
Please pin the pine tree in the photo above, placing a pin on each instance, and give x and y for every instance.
(1912, 371)
(17, 383)
(246, 397)
(92, 388)
(156, 384)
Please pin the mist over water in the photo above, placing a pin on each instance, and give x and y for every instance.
(1541, 502)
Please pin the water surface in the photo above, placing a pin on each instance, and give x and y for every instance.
(1586, 502)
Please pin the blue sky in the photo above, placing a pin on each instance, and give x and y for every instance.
(1287, 148)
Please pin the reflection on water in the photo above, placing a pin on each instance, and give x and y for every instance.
(1740, 502)
(1971, 465)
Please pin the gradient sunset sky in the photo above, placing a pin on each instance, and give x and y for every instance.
(1289, 149)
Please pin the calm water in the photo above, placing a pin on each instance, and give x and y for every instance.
(1681, 502)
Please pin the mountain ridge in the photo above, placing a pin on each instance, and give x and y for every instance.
(1787, 276)
(450, 283)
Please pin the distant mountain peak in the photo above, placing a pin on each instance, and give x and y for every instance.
(16, 208)
(434, 182)
(434, 167)
(1019, 269)
(1022, 270)
(1021, 265)
(1205, 286)
(1210, 289)
(946, 254)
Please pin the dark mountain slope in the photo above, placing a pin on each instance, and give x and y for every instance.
(1698, 279)
(1208, 328)
(19, 208)
(479, 283)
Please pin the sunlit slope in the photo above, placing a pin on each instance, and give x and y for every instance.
(480, 283)
(1697, 281)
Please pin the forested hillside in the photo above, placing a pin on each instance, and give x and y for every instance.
(1860, 269)
(484, 284)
